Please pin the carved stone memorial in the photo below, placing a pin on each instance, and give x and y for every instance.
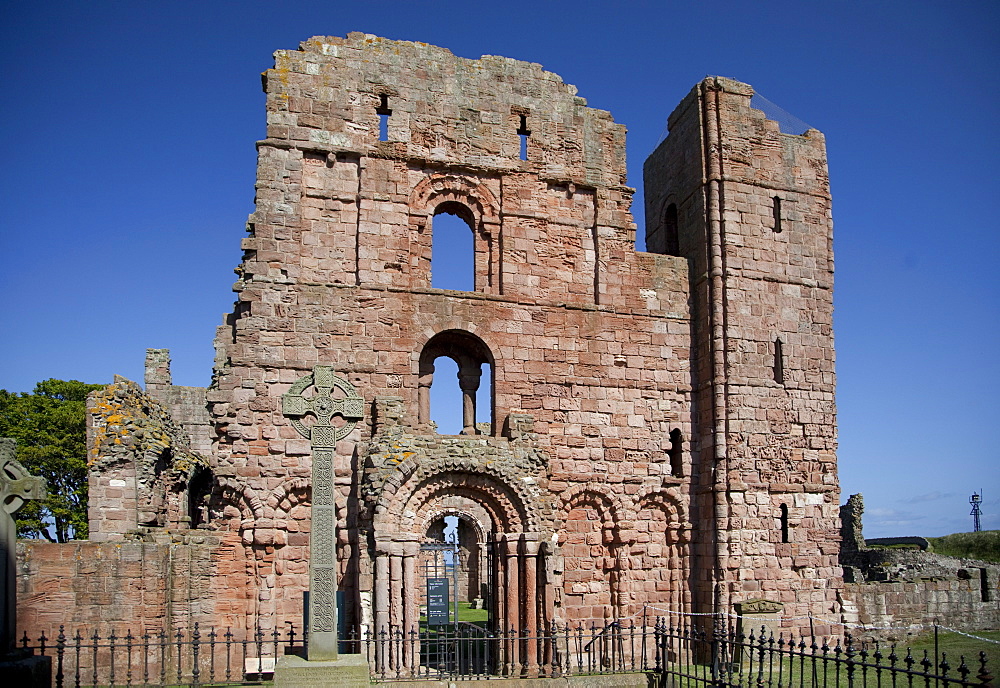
(16, 486)
(334, 408)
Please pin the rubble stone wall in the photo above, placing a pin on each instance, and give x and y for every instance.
(912, 589)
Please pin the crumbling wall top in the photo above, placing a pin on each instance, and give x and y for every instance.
(329, 95)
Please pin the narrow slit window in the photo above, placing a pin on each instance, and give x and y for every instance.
(384, 111)
(524, 133)
(776, 211)
(779, 361)
(783, 521)
(675, 453)
(671, 238)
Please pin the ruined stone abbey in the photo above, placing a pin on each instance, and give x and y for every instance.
(661, 427)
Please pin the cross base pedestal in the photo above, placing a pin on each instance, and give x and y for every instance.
(292, 671)
(22, 668)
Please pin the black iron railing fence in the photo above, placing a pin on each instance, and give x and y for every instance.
(466, 651)
(672, 654)
(687, 656)
(162, 658)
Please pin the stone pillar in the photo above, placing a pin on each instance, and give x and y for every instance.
(157, 373)
(411, 613)
(468, 381)
(323, 437)
(410, 552)
(497, 573)
(395, 603)
(675, 579)
(381, 629)
(424, 394)
(530, 587)
(513, 607)
(396, 585)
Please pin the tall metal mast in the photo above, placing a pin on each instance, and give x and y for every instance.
(975, 500)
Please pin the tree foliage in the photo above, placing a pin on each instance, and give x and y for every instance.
(50, 428)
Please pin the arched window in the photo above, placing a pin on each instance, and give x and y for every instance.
(453, 264)
(671, 237)
(783, 522)
(676, 453)
(199, 494)
(465, 408)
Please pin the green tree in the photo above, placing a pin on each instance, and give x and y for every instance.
(50, 428)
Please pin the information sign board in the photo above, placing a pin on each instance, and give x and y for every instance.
(438, 607)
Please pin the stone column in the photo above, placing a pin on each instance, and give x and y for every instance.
(411, 613)
(513, 607)
(498, 576)
(396, 585)
(530, 549)
(424, 394)
(675, 578)
(395, 603)
(381, 605)
(468, 381)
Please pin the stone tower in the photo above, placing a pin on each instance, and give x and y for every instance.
(640, 430)
(749, 207)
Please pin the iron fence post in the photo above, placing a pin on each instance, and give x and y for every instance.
(195, 640)
(60, 651)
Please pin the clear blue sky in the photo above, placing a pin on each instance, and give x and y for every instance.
(128, 170)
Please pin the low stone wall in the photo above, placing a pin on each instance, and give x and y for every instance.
(910, 589)
(135, 586)
(917, 541)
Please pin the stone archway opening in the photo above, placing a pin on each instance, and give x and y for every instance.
(473, 361)
(458, 534)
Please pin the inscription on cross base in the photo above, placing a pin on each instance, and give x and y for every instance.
(16, 486)
(333, 398)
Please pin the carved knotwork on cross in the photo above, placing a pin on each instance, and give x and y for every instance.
(16, 487)
(323, 436)
(323, 406)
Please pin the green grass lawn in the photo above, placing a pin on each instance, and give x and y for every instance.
(984, 545)
(466, 613)
(795, 672)
(955, 645)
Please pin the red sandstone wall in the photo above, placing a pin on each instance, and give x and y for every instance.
(722, 165)
(587, 336)
(140, 586)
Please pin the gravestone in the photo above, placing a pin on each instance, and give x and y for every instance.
(17, 666)
(759, 617)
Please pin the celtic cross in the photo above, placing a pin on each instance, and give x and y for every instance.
(323, 436)
(16, 486)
